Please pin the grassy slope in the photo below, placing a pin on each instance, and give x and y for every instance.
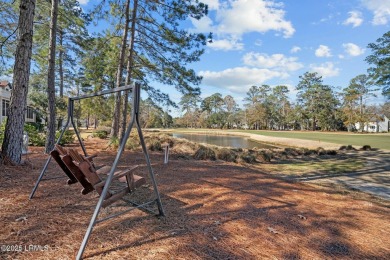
(381, 141)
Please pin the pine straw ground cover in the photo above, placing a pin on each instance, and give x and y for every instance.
(214, 210)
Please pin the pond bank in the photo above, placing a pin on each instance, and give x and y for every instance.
(232, 141)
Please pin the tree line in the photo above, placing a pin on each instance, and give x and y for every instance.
(317, 107)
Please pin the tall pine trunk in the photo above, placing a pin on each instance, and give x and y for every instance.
(51, 125)
(129, 67)
(119, 75)
(61, 72)
(11, 151)
(61, 62)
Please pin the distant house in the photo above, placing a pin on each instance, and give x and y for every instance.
(5, 96)
(376, 124)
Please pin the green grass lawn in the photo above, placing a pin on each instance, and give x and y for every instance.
(315, 166)
(381, 141)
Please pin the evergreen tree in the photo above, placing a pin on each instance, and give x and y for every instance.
(51, 126)
(380, 61)
(11, 151)
(316, 100)
(360, 89)
(8, 33)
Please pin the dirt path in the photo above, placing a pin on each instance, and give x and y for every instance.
(214, 210)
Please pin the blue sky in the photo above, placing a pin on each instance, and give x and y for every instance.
(274, 42)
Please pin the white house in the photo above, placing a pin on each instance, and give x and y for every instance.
(5, 96)
(376, 124)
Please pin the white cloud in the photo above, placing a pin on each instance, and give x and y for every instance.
(295, 49)
(355, 18)
(278, 61)
(83, 2)
(326, 69)
(380, 9)
(239, 79)
(226, 45)
(323, 51)
(243, 16)
(352, 49)
(235, 18)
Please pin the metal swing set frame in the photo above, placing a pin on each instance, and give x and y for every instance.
(135, 91)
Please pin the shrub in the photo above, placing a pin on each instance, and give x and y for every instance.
(2, 131)
(348, 148)
(114, 142)
(182, 146)
(205, 153)
(166, 138)
(154, 144)
(310, 152)
(264, 156)
(102, 134)
(132, 144)
(67, 137)
(331, 152)
(226, 154)
(291, 151)
(34, 136)
(248, 157)
(321, 151)
(366, 148)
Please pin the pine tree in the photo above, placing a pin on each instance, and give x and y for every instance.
(51, 91)
(11, 151)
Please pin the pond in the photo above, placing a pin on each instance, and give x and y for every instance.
(223, 140)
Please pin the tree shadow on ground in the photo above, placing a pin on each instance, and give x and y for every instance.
(214, 210)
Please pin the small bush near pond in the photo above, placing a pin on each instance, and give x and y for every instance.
(309, 152)
(348, 148)
(248, 157)
(264, 156)
(205, 153)
(292, 151)
(331, 152)
(321, 151)
(154, 144)
(226, 154)
(366, 148)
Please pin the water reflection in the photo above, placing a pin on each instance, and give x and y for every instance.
(223, 140)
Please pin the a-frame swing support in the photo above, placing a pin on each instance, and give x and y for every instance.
(135, 89)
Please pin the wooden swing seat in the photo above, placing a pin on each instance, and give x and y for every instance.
(92, 176)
